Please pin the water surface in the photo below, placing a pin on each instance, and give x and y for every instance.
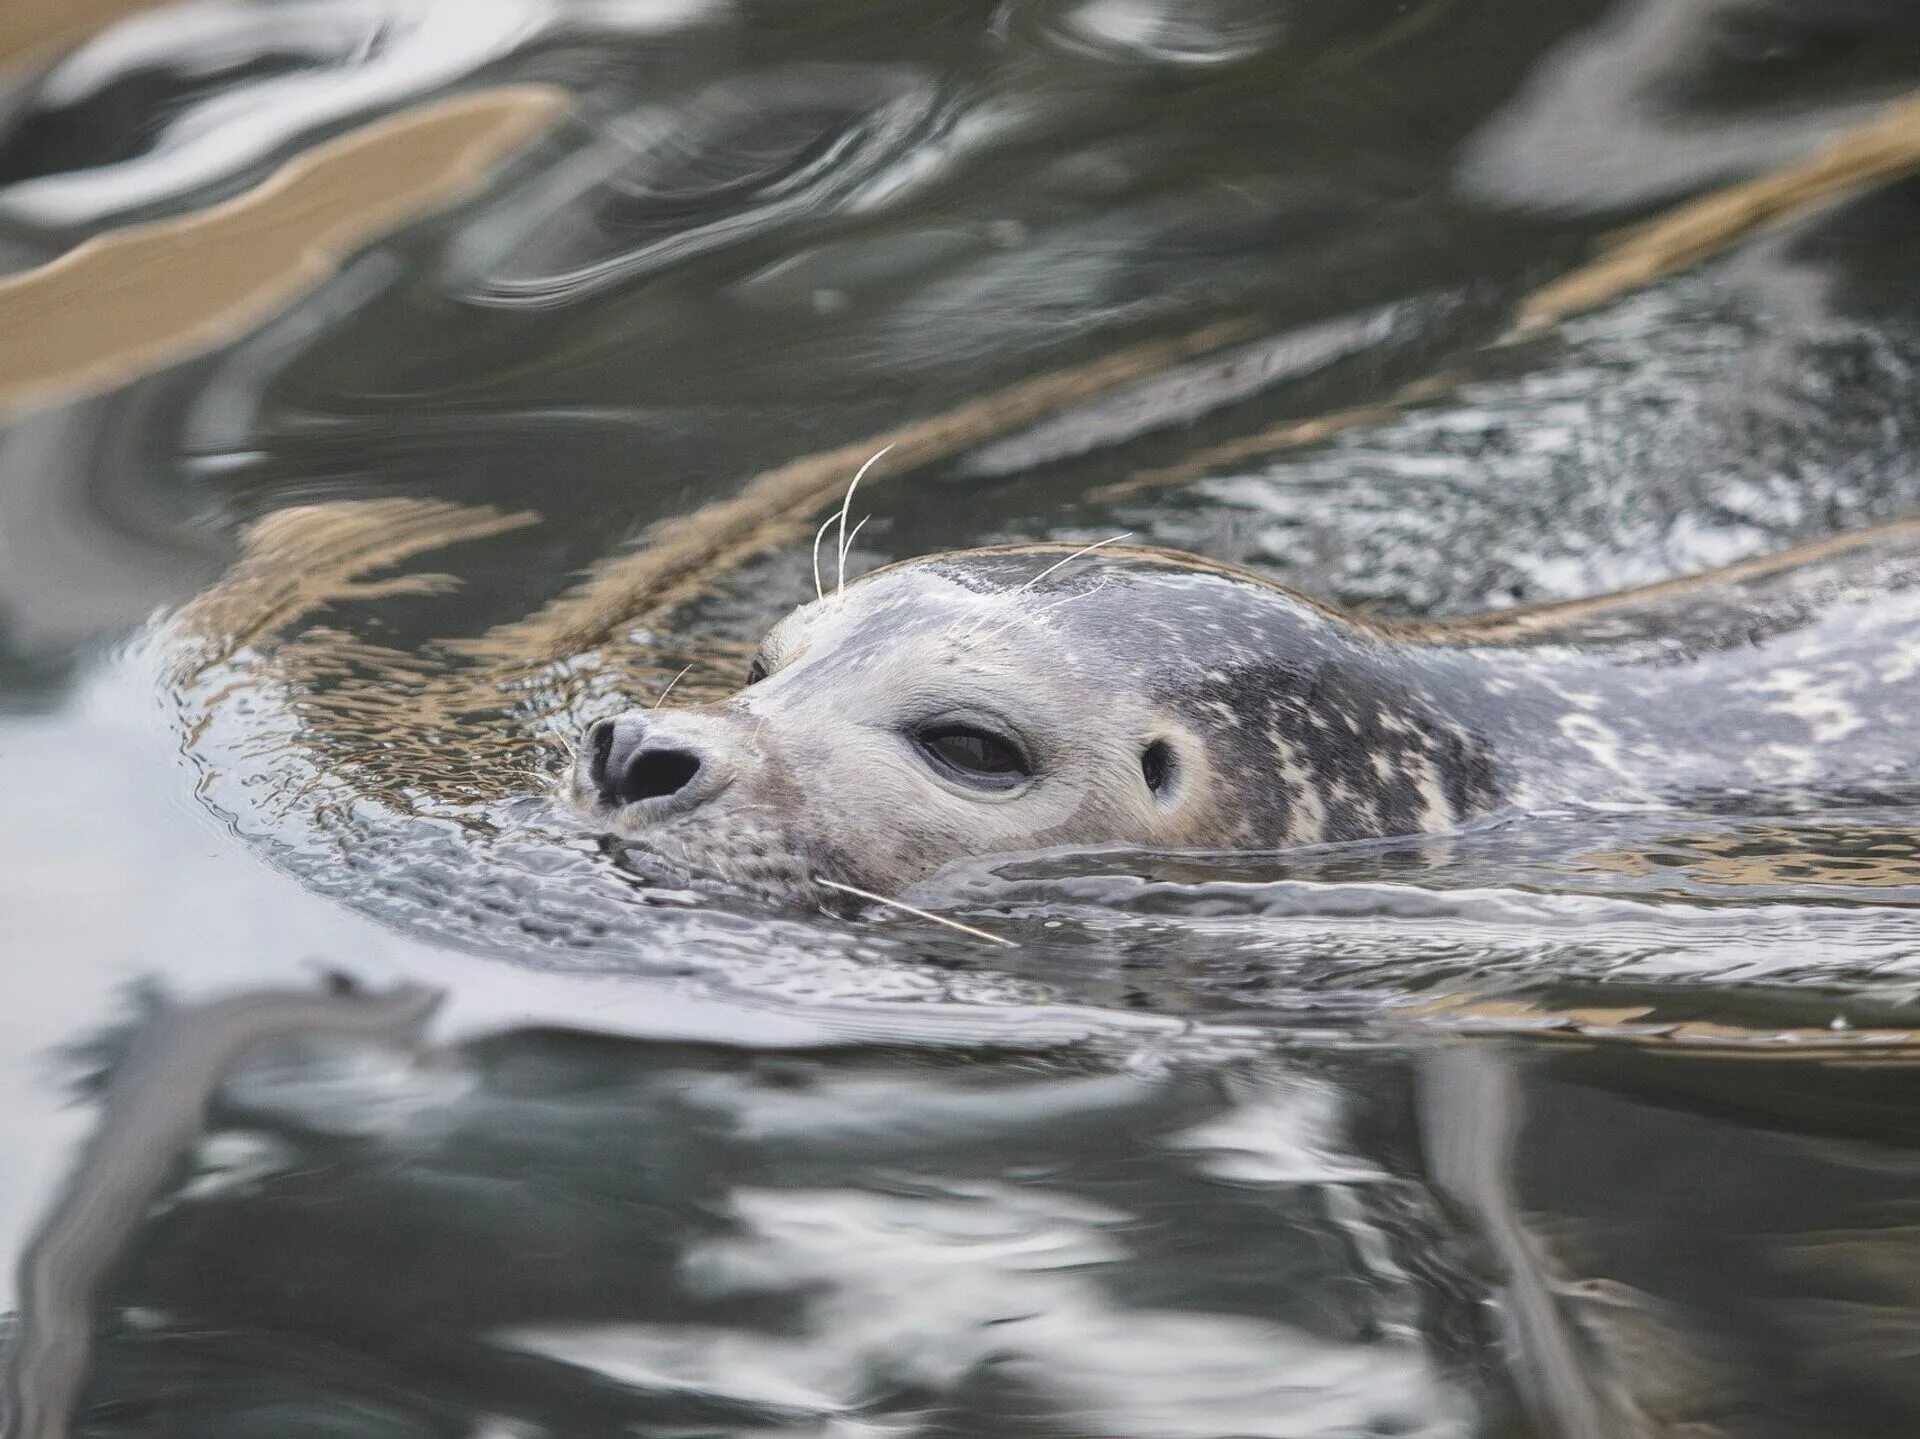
(360, 361)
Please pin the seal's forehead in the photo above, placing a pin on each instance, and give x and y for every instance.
(1004, 586)
(1118, 601)
(1051, 568)
(1034, 573)
(904, 604)
(936, 607)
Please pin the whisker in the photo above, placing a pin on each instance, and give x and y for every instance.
(570, 753)
(1098, 586)
(1069, 559)
(847, 504)
(1035, 614)
(669, 689)
(842, 589)
(881, 899)
(819, 592)
(1063, 560)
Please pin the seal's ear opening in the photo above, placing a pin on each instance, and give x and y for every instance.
(1156, 765)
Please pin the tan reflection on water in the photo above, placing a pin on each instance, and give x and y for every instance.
(132, 300)
(377, 719)
(1848, 856)
(1642, 1025)
(297, 560)
(30, 28)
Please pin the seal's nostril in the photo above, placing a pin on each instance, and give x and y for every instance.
(627, 761)
(656, 773)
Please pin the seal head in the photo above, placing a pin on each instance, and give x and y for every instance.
(1017, 699)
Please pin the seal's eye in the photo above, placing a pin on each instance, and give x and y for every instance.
(756, 671)
(974, 755)
(1156, 765)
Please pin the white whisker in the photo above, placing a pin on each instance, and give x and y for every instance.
(1069, 559)
(1035, 614)
(669, 689)
(1088, 593)
(819, 592)
(917, 913)
(1063, 560)
(847, 504)
(842, 587)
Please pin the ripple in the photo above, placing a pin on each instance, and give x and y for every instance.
(1195, 33)
(1686, 427)
(731, 162)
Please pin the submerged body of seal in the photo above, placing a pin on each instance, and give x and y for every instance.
(1021, 698)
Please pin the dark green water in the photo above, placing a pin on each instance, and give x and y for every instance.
(348, 1088)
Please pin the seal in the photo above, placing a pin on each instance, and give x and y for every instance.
(1028, 697)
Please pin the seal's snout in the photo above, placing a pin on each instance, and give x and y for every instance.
(628, 762)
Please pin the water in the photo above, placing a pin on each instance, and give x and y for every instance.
(349, 348)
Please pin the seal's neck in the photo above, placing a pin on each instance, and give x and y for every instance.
(1820, 697)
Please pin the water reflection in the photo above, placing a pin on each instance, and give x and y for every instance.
(152, 1111)
(697, 1238)
(1662, 96)
(235, 83)
(980, 1243)
(1214, 33)
(1592, 1125)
